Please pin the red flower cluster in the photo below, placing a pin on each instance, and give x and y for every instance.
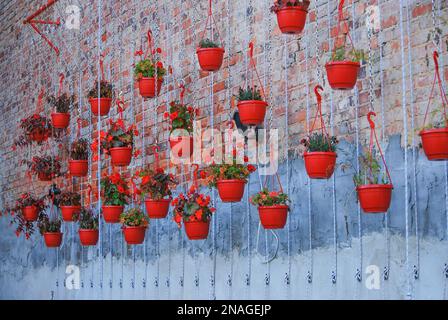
(191, 207)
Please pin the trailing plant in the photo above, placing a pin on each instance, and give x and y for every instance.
(45, 224)
(79, 150)
(46, 165)
(106, 90)
(67, 198)
(266, 198)
(207, 43)
(146, 68)
(33, 125)
(115, 190)
(134, 218)
(341, 54)
(87, 219)
(370, 170)
(62, 103)
(281, 4)
(319, 142)
(181, 116)
(156, 184)
(192, 207)
(249, 94)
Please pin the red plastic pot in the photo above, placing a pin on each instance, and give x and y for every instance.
(197, 230)
(100, 106)
(435, 143)
(60, 120)
(252, 112)
(112, 214)
(147, 87)
(121, 156)
(53, 239)
(134, 235)
(291, 19)
(157, 209)
(78, 168)
(375, 198)
(183, 145)
(30, 213)
(342, 75)
(231, 190)
(88, 237)
(44, 176)
(68, 212)
(38, 136)
(273, 217)
(210, 59)
(320, 165)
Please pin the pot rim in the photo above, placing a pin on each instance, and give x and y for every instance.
(134, 227)
(107, 99)
(150, 78)
(277, 206)
(260, 102)
(292, 8)
(88, 230)
(435, 130)
(111, 206)
(53, 233)
(60, 113)
(78, 161)
(176, 138)
(161, 200)
(120, 148)
(71, 207)
(336, 63)
(243, 181)
(320, 153)
(375, 186)
(197, 222)
(198, 49)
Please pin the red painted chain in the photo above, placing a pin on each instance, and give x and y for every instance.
(211, 19)
(253, 65)
(374, 138)
(319, 115)
(120, 107)
(61, 81)
(341, 20)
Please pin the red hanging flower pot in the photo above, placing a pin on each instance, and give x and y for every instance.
(342, 75)
(197, 230)
(112, 214)
(147, 87)
(375, 198)
(320, 165)
(157, 209)
(210, 59)
(68, 212)
(252, 112)
(435, 143)
(291, 19)
(134, 235)
(100, 106)
(78, 168)
(121, 156)
(42, 176)
(53, 239)
(231, 190)
(60, 120)
(88, 237)
(30, 213)
(273, 217)
(183, 144)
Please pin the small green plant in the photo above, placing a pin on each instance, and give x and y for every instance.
(115, 190)
(87, 219)
(68, 198)
(106, 90)
(134, 218)
(46, 165)
(249, 94)
(370, 171)
(181, 116)
(281, 4)
(146, 68)
(79, 150)
(46, 225)
(318, 142)
(341, 54)
(62, 103)
(156, 184)
(266, 198)
(207, 43)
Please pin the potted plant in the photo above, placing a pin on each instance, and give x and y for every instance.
(374, 188)
(134, 223)
(79, 155)
(195, 211)
(342, 69)
(70, 204)
(45, 168)
(229, 179)
(210, 55)
(51, 230)
(181, 118)
(320, 155)
(62, 104)
(251, 107)
(101, 101)
(156, 188)
(115, 193)
(291, 15)
(88, 227)
(272, 207)
(35, 129)
(145, 72)
(435, 137)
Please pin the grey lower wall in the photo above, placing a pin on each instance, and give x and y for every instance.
(28, 270)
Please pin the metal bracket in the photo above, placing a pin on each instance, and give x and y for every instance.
(267, 279)
(196, 281)
(446, 270)
(309, 277)
(333, 277)
(212, 281)
(181, 281)
(121, 283)
(386, 273)
(416, 273)
(358, 275)
(229, 280)
(167, 282)
(247, 280)
(144, 283)
(287, 280)
(110, 284)
(156, 282)
(132, 284)
(91, 284)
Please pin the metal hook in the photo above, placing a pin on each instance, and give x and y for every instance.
(318, 95)
(251, 49)
(268, 260)
(369, 118)
(436, 59)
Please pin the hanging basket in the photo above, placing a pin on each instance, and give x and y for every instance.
(44, 177)
(100, 106)
(53, 239)
(252, 112)
(67, 212)
(273, 217)
(121, 157)
(134, 235)
(60, 120)
(157, 209)
(112, 214)
(375, 198)
(291, 20)
(30, 213)
(210, 59)
(88, 237)
(78, 168)
(435, 143)
(231, 190)
(147, 87)
(342, 75)
(320, 165)
(184, 145)
(197, 230)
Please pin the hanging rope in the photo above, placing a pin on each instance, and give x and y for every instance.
(346, 27)
(211, 20)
